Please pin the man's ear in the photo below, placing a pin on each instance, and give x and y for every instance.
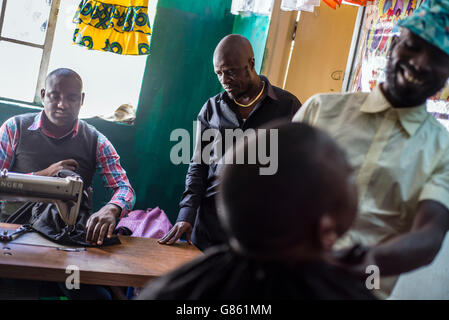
(42, 94)
(252, 63)
(394, 42)
(82, 98)
(327, 232)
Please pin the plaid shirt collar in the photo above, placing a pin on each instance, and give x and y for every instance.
(38, 124)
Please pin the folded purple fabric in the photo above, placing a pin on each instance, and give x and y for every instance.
(150, 223)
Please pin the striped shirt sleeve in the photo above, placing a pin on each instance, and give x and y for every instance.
(9, 136)
(113, 174)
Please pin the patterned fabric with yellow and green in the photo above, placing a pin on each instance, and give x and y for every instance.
(118, 26)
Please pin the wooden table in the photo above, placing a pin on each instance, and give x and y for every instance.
(132, 263)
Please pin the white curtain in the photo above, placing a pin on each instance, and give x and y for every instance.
(246, 7)
(299, 5)
(264, 7)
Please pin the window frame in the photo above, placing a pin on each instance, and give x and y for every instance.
(46, 48)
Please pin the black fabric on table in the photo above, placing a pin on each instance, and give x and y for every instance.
(45, 219)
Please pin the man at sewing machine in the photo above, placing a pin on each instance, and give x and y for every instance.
(44, 143)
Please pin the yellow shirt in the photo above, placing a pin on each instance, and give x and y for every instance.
(400, 157)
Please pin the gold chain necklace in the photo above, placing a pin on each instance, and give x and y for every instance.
(254, 100)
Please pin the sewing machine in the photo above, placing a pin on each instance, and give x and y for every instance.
(65, 193)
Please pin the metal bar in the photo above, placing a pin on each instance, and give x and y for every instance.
(20, 102)
(25, 43)
(353, 50)
(2, 15)
(48, 44)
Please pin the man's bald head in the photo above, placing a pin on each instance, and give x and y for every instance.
(234, 65)
(64, 72)
(234, 45)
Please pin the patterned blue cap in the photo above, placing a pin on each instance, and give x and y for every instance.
(431, 22)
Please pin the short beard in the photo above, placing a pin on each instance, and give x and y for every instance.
(390, 78)
(400, 99)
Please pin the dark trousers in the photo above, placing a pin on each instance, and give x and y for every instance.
(207, 231)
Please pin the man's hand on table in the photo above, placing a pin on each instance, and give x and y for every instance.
(102, 223)
(176, 232)
(52, 170)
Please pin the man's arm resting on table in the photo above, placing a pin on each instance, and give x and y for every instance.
(416, 248)
(102, 223)
(175, 233)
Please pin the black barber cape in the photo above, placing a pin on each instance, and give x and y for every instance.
(222, 274)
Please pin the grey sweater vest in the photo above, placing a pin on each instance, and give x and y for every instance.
(35, 151)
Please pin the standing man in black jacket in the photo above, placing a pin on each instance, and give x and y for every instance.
(249, 102)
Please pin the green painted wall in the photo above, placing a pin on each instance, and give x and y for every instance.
(178, 79)
(255, 28)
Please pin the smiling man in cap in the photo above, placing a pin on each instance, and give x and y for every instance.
(400, 153)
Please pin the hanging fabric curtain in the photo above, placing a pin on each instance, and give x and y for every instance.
(118, 26)
(246, 7)
(337, 3)
(299, 5)
(309, 5)
(361, 3)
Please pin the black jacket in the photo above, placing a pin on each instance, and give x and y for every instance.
(197, 205)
